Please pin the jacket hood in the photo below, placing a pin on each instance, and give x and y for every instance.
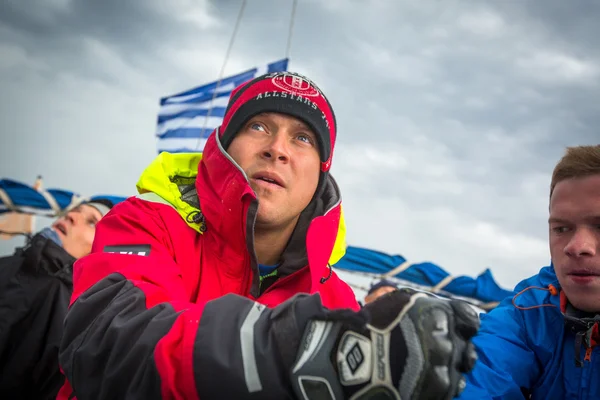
(172, 176)
(184, 179)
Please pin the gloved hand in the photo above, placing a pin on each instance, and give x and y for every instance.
(405, 345)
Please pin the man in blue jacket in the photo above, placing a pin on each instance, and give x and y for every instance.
(542, 343)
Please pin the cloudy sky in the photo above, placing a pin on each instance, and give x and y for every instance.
(451, 114)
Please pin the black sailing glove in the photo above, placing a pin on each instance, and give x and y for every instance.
(414, 346)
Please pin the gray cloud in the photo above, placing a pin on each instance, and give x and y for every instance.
(451, 115)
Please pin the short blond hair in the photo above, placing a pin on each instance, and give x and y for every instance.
(578, 162)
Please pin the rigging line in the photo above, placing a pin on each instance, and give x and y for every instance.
(291, 29)
(235, 29)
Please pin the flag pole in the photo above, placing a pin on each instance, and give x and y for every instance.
(291, 29)
(222, 72)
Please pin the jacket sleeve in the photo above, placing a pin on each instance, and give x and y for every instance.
(506, 363)
(131, 332)
(32, 308)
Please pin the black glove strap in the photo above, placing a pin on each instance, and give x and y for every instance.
(313, 375)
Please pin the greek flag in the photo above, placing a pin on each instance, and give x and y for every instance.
(185, 120)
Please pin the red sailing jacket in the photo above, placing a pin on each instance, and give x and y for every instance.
(164, 304)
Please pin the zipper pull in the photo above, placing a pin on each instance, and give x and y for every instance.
(588, 354)
(578, 343)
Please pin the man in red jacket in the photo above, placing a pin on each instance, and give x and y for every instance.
(216, 281)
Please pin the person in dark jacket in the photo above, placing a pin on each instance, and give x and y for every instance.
(36, 284)
(382, 287)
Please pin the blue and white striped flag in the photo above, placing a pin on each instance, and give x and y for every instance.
(185, 120)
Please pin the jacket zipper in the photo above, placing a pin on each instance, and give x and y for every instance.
(282, 281)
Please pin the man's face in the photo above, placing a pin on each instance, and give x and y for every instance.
(575, 240)
(77, 228)
(280, 156)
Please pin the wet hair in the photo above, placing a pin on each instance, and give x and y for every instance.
(578, 162)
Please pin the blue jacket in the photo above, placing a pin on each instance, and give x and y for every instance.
(532, 349)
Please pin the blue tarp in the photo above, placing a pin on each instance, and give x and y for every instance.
(483, 288)
(31, 200)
